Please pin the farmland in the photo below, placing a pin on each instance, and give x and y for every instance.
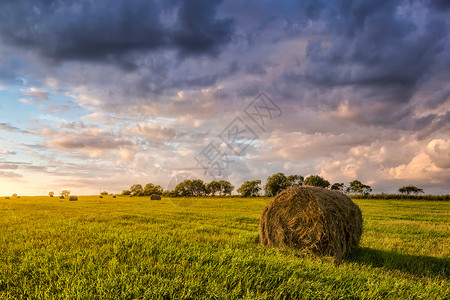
(128, 248)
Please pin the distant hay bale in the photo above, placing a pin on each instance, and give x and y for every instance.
(312, 219)
(114, 196)
(155, 197)
(101, 197)
(73, 198)
(61, 197)
(7, 197)
(18, 196)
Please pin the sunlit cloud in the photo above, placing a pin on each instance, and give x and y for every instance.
(363, 90)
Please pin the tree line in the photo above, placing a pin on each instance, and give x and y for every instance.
(275, 184)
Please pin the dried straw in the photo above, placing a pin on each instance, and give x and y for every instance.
(312, 219)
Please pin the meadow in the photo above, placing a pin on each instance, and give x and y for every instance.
(134, 248)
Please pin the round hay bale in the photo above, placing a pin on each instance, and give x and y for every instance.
(312, 219)
(100, 196)
(155, 197)
(7, 197)
(61, 197)
(73, 198)
(114, 197)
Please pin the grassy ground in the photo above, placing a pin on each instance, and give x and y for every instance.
(128, 248)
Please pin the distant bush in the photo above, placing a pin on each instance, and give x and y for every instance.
(402, 197)
(126, 192)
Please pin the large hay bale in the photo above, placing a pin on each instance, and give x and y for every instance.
(61, 197)
(114, 197)
(7, 197)
(155, 197)
(312, 219)
(73, 198)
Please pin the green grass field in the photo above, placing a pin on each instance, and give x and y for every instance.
(134, 248)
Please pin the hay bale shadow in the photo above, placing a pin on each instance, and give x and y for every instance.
(417, 265)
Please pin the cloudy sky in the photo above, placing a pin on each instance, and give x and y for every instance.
(104, 94)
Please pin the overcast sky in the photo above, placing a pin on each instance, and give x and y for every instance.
(104, 94)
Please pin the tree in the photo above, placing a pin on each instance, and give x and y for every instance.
(221, 187)
(65, 193)
(293, 181)
(410, 189)
(51, 194)
(357, 187)
(14, 195)
(151, 189)
(279, 182)
(149, 186)
(338, 187)
(316, 180)
(198, 187)
(104, 193)
(136, 189)
(191, 188)
(250, 188)
(213, 187)
(126, 192)
(226, 188)
(275, 184)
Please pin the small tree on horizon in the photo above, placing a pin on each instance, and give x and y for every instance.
(410, 189)
(151, 189)
(191, 188)
(338, 186)
(213, 187)
(65, 193)
(51, 194)
(357, 187)
(275, 184)
(136, 189)
(279, 182)
(104, 193)
(226, 188)
(294, 180)
(316, 180)
(250, 188)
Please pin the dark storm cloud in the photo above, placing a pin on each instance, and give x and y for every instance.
(440, 4)
(108, 30)
(374, 46)
(198, 30)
